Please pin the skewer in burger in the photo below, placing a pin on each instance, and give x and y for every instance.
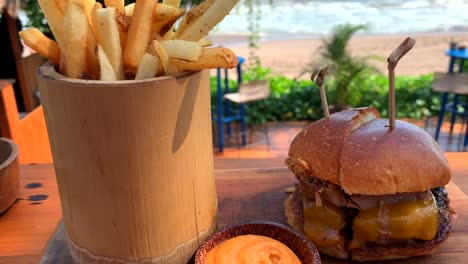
(365, 192)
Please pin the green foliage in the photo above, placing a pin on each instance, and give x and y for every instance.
(343, 67)
(293, 100)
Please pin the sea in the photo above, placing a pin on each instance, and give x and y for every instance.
(314, 17)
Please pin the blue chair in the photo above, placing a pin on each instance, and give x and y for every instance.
(224, 113)
(461, 55)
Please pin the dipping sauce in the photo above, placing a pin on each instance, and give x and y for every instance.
(251, 249)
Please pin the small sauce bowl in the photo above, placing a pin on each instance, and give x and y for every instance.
(296, 241)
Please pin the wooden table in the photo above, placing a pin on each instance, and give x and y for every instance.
(248, 189)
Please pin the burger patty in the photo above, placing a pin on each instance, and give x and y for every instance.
(333, 194)
(443, 227)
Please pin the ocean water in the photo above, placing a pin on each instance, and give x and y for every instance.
(309, 17)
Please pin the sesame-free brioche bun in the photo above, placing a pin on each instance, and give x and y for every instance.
(316, 150)
(376, 161)
(355, 150)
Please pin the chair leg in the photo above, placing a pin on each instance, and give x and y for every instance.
(228, 124)
(454, 113)
(220, 112)
(441, 115)
(242, 124)
(465, 142)
(267, 137)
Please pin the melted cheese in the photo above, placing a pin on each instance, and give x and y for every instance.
(407, 220)
(322, 224)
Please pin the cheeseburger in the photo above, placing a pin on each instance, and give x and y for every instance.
(367, 193)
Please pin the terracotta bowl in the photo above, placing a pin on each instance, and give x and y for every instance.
(296, 241)
(9, 173)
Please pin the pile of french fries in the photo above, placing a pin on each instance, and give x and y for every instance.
(137, 41)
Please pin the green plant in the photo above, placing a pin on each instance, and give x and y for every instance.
(343, 67)
(293, 100)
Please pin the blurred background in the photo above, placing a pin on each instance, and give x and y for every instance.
(281, 42)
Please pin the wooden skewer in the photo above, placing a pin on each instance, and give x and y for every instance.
(318, 77)
(392, 60)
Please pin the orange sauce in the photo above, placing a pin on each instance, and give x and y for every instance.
(251, 249)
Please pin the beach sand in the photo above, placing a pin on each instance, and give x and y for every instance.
(289, 56)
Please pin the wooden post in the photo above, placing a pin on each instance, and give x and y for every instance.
(134, 165)
(392, 60)
(318, 76)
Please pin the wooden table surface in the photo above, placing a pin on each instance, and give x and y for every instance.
(242, 184)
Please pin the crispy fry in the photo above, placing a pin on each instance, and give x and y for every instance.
(182, 49)
(107, 72)
(169, 35)
(192, 16)
(165, 12)
(54, 18)
(107, 36)
(75, 28)
(210, 59)
(138, 34)
(205, 42)
(118, 4)
(156, 49)
(94, 19)
(129, 9)
(148, 67)
(174, 3)
(155, 36)
(163, 27)
(91, 56)
(88, 6)
(124, 23)
(37, 41)
(162, 12)
(207, 21)
(61, 5)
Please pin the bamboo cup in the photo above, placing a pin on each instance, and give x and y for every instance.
(134, 165)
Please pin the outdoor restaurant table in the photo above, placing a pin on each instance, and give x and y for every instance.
(248, 189)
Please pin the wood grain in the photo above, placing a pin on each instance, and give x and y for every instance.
(26, 229)
(133, 161)
(257, 194)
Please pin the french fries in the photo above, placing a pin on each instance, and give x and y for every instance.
(162, 27)
(174, 3)
(107, 71)
(205, 22)
(54, 18)
(61, 5)
(192, 16)
(182, 49)
(156, 49)
(88, 6)
(138, 34)
(211, 58)
(162, 12)
(136, 41)
(118, 4)
(91, 56)
(148, 67)
(205, 42)
(37, 41)
(75, 28)
(107, 35)
(123, 23)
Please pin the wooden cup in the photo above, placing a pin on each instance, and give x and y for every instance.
(134, 165)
